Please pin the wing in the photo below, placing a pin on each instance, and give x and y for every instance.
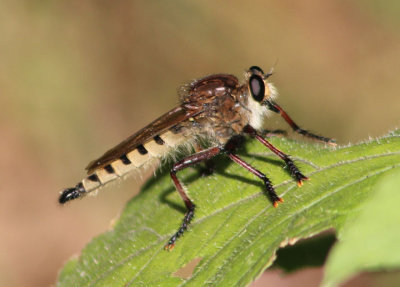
(155, 128)
(198, 94)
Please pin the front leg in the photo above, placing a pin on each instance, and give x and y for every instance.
(294, 171)
(277, 109)
(186, 162)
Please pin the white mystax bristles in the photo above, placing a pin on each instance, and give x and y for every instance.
(273, 91)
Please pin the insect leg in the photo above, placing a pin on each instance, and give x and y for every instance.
(268, 185)
(230, 149)
(188, 161)
(209, 165)
(294, 171)
(277, 109)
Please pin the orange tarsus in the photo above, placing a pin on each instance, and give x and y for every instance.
(277, 202)
(300, 182)
(169, 247)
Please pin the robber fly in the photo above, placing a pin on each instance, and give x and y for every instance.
(217, 109)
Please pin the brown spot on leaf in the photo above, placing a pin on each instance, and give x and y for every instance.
(187, 271)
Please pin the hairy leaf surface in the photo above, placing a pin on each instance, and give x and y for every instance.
(236, 230)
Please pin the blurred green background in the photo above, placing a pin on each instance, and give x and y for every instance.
(76, 77)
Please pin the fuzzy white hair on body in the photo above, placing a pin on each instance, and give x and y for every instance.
(259, 112)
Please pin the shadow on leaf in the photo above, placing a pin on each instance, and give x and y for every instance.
(311, 252)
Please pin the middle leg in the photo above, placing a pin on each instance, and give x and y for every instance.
(230, 149)
(294, 171)
(268, 185)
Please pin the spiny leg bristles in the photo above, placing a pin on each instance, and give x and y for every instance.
(295, 172)
(185, 224)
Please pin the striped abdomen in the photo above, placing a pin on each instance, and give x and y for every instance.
(146, 155)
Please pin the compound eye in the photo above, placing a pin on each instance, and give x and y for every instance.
(256, 68)
(257, 87)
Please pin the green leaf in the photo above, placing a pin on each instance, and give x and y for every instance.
(371, 241)
(236, 231)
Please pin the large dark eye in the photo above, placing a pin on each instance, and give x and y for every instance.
(257, 87)
(256, 68)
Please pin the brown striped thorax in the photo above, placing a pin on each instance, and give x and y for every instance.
(216, 110)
